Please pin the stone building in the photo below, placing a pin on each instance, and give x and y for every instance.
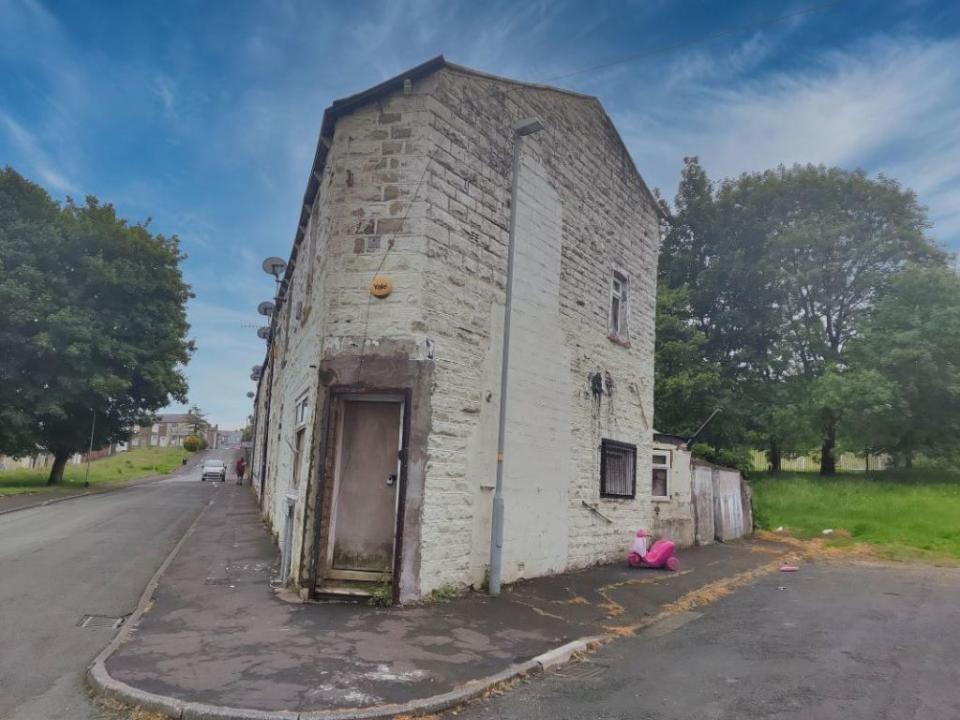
(170, 430)
(375, 450)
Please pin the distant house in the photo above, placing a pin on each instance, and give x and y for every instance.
(375, 451)
(170, 430)
(230, 439)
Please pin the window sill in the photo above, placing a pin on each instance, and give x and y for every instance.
(619, 339)
(661, 498)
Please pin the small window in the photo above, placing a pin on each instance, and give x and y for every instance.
(660, 475)
(300, 411)
(618, 469)
(619, 305)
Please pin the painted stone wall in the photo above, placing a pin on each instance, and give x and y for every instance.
(358, 225)
(582, 212)
(416, 187)
(673, 516)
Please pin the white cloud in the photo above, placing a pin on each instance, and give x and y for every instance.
(165, 89)
(887, 105)
(34, 157)
(219, 373)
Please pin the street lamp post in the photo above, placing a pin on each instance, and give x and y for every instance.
(93, 425)
(527, 126)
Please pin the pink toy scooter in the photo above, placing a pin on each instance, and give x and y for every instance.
(662, 554)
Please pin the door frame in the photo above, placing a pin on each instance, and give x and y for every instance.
(335, 395)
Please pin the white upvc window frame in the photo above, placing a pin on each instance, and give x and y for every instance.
(618, 309)
(300, 412)
(666, 465)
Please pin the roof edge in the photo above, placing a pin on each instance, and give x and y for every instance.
(342, 106)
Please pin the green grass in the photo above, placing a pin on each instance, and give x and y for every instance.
(444, 593)
(114, 470)
(897, 510)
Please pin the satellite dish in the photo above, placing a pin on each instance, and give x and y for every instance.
(263, 332)
(274, 266)
(250, 394)
(265, 308)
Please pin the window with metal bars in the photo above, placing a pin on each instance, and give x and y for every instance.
(618, 469)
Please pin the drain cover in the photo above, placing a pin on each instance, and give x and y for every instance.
(584, 670)
(100, 621)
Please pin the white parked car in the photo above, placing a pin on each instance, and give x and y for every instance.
(213, 470)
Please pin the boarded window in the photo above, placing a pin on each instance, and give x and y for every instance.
(660, 474)
(618, 469)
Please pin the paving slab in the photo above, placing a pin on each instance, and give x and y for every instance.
(216, 633)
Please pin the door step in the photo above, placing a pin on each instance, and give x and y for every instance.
(345, 591)
(355, 576)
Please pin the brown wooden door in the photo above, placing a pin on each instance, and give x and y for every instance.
(367, 480)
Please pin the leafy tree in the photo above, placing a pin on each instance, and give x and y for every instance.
(711, 243)
(687, 387)
(781, 419)
(192, 443)
(907, 352)
(247, 433)
(860, 402)
(30, 243)
(94, 327)
(688, 234)
(782, 268)
(196, 419)
(840, 244)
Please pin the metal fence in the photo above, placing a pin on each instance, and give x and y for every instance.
(848, 462)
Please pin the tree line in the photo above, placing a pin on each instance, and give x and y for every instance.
(810, 304)
(93, 327)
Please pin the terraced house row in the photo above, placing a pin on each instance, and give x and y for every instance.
(377, 409)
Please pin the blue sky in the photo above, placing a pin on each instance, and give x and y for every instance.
(204, 115)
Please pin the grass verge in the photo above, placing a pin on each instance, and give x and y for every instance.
(114, 470)
(903, 513)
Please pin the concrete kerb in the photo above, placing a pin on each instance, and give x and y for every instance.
(103, 683)
(54, 501)
(561, 655)
(108, 686)
(100, 680)
(127, 486)
(97, 675)
(75, 496)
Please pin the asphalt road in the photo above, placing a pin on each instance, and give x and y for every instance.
(830, 642)
(86, 556)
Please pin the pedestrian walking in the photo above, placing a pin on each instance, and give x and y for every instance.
(241, 469)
